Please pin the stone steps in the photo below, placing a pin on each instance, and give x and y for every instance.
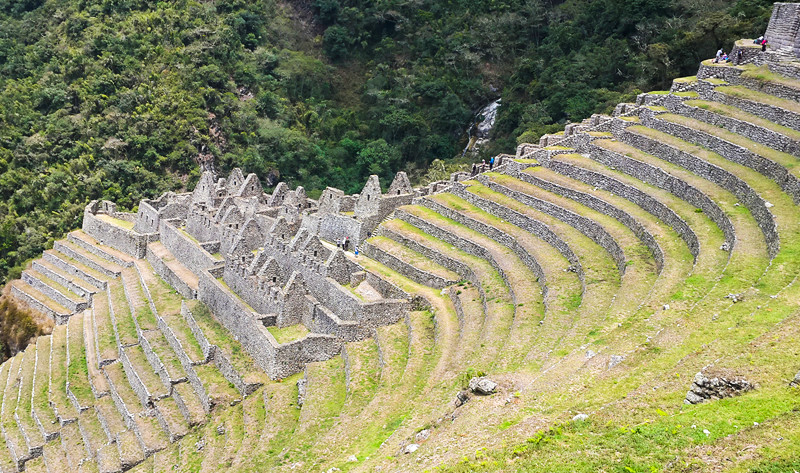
(226, 352)
(143, 315)
(129, 450)
(170, 269)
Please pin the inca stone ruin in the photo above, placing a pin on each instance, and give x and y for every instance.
(201, 302)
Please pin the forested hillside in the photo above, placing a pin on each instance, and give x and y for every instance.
(118, 99)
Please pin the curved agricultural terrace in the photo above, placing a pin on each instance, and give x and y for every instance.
(592, 276)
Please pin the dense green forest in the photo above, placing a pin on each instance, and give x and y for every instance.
(116, 99)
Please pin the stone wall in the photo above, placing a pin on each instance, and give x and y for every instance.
(733, 152)
(163, 270)
(127, 241)
(637, 196)
(602, 206)
(784, 27)
(717, 175)
(759, 134)
(187, 251)
(659, 178)
(584, 225)
(522, 221)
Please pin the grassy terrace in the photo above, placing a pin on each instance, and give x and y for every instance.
(760, 97)
(116, 221)
(58, 374)
(168, 305)
(412, 257)
(733, 112)
(602, 280)
(39, 296)
(40, 397)
(565, 298)
(677, 259)
(104, 327)
(24, 404)
(521, 318)
(216, 334)
(58, 287)
(139, 303)
(125, 326)
(288, 334)
(763, 74)
(784, 159)
(78, 370)
(14, 438)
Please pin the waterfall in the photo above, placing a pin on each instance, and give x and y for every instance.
(478, 131)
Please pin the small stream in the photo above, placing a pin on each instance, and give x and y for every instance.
(478, 132)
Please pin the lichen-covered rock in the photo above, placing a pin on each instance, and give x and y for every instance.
(461, 398)
(706, 388)
(796, 380)
(483, 386)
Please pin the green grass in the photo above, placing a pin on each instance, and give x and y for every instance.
(126, 327)
(116, 221)
(761, 97)
(763, 74)
(738, 114)
(78, 370)
(216, 334)
(288, 334)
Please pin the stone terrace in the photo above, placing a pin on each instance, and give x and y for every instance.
(229, 329)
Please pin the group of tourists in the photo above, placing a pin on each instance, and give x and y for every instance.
(478, 168)
(344, 244)
(722, 56)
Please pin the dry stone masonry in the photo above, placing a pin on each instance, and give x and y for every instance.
(201, 300)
